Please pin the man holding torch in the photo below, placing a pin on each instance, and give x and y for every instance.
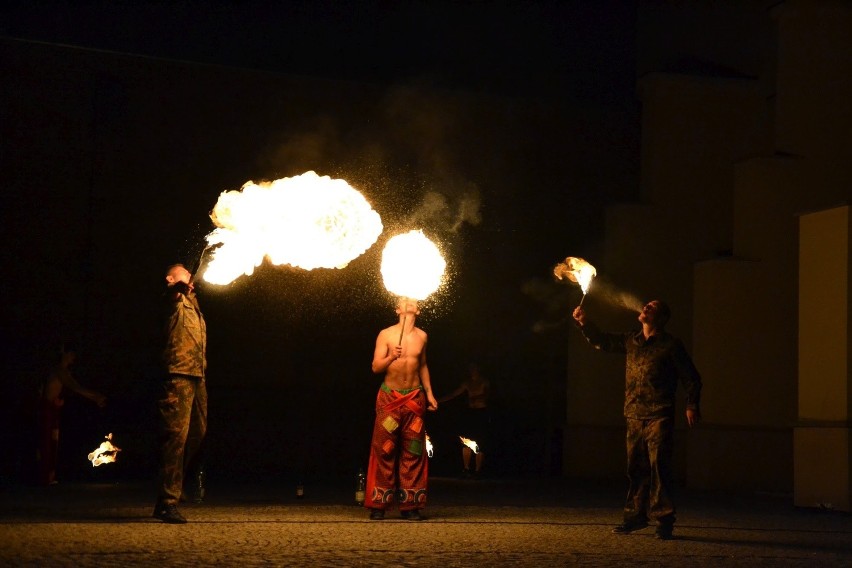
(656, 362)
(183, 401)
(398, 467)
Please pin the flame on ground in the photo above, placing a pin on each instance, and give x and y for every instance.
(412, 266)
(105, 453)
(308, 221)
(576, 270)
(470, 444)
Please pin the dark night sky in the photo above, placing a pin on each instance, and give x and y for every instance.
(580, 49)
(574, 55)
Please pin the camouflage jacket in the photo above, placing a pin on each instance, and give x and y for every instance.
(185, 351)
(652, 371)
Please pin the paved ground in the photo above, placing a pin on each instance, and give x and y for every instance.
(470, 523)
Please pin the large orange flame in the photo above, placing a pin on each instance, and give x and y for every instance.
(308, 221)
(576, 270)
(412, 266)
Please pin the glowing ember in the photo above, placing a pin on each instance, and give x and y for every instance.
(308, 221)
(105, 453)
(470, 444)
(577, 270)
(412, 266)
(429, 447)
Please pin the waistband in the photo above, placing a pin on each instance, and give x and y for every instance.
(387, 389)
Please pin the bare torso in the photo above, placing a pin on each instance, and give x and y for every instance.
(52, 390)
(477, 392)
(403, 372)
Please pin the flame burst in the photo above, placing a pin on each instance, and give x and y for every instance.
(470, 444)
(308, 221)
(105, 453)
(412, 266)
(577, 270)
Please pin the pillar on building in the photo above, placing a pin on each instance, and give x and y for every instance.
(822, 439)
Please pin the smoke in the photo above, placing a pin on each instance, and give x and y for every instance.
(426, 127)
(468, 211)
(558, 300)
(440, 212)
(554, 298)
(309, 147)
(609, 293)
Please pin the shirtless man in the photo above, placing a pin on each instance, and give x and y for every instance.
(398, 467)
(477, 419)
(58, 381)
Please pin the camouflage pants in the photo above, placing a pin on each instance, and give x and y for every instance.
(650, 476)
(183, 424)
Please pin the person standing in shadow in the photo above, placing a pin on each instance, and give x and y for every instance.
(51, 400)
(476, 422)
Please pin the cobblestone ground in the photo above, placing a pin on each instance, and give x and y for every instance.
(489, 524)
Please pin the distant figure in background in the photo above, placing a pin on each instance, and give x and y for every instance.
(183, 402)
(477, 418)
(398, 468)
(656, 362)
(50, 409)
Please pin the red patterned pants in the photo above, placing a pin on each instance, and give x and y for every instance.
(398, 467)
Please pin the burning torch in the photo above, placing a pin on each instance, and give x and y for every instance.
(576, 270)
(474, 447)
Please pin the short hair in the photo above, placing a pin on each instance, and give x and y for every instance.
(664, 313)
(173, 266)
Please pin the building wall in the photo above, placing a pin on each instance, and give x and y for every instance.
(809, 170)
(729, 164)
(822, 449)
(694, 131)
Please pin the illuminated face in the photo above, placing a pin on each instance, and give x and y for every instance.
(178, 274)
(648, 314)
(407, 306)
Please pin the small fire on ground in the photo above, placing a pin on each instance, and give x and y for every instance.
(105, 453)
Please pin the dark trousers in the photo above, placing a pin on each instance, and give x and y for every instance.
(183, 424)
(48, 441)
(650, 471)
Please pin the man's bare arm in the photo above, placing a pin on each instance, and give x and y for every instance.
(458, 392)
(426, 380)
(382, 356)
(67, 379)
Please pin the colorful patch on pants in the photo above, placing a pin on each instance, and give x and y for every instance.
(390, 424)
(415, 447)
(388, 447)
(416, 424)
